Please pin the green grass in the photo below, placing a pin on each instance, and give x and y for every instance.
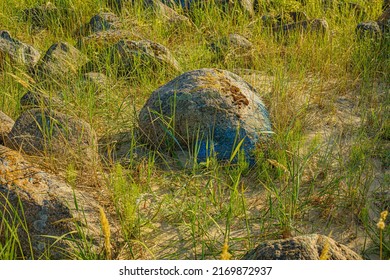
(329, 103)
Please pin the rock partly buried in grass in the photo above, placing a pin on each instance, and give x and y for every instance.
(170, 15)
(375, 28)
(104, 39)
(49, 217)
(144, 54)
(369, 28)
(286, 18)
(206, 111)
(98, 80)
(60, 61)
(319, 26)
(384, 19)
(41, 16)
(104, 21)
(44, 132)
(18, 52)
(245, 5)
(33, 99)
(6, 124)
(306, 247)
(232, 42)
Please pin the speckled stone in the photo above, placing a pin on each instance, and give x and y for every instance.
(210, 109)
(306, 247)
(49, 208)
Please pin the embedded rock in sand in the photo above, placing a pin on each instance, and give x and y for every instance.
(209, 110)
(306, 247)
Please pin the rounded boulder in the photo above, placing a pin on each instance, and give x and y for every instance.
(208, 112)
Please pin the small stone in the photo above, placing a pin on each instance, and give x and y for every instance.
(6, 124)
(33, 99)
(316, 25)
(20, 53)
(143, 53)
(60, 60)
(369, 28)
(103, 22)
(47, 132)
(306, 247)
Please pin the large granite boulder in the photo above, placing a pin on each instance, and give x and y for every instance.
(206, 111)
(306, 247)
(18, 52)
(45, 132)
(51, 217)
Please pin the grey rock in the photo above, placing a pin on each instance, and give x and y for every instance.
(286, 18)
(6, 124)
(143, 53)
(384, 19)
(103, 22)
(19, 52)
(41, 15)
(210, 109)
(316, 25)
(33, 99)
(233, 42)
(99, 80)
(49, 209)
(245, 5)
(306, 247)
(60, 61)
(172, 17)
(104, 39)
(50, 133)
(370, 28)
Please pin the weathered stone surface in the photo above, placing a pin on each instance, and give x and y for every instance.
(6, 124)
(143, 53)
(171, 16)
(18, 52)
(60, 60)
(286, 18)
(34, 99)
(384, 19)
(49, 209)
(47, 132)
(316, 25)
(40, 16)
(245, 5)
(370, 28)
(212, 107)
(233, 42)
(104, 39)
(100, 80)
(306, 247)
(103, 22)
